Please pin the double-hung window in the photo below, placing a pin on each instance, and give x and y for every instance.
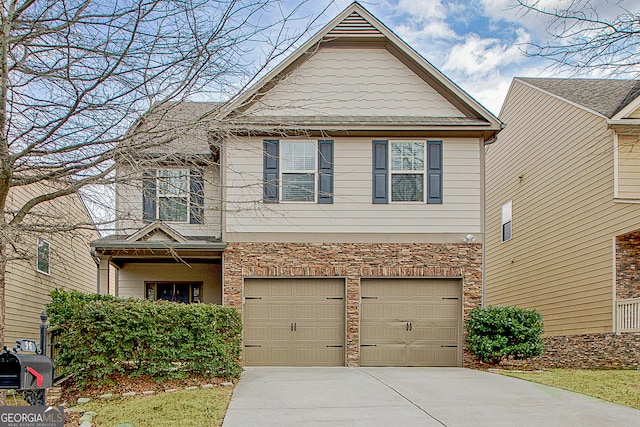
(174, 195)
(407, 171)
(506, 221)
(298, 171)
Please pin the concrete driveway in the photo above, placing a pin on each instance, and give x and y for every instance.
(410, 397)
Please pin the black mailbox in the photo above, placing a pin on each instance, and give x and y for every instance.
(25, 371)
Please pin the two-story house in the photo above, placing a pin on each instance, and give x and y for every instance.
(351, 228)
(563, 215)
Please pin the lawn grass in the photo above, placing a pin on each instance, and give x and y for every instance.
(188, 408)
(618, 386)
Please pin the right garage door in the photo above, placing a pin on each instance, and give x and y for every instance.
(411, 322)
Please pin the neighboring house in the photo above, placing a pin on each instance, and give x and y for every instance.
(43, 261)
(352, 209)
(563, 215)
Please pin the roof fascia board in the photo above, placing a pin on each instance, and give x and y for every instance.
(565, 100)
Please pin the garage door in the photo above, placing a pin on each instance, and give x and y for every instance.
(294, 322)
(410, 322)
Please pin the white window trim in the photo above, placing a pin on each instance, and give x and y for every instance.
(403, 172)
(282, 171)
(159, 195)
(503, 222)
(47, 273)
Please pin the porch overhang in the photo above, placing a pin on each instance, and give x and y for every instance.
(121, 252)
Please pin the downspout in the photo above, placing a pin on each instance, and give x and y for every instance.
(484, 224)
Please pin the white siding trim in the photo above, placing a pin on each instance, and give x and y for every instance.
(615, 165)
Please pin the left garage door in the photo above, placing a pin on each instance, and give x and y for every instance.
(294, 322)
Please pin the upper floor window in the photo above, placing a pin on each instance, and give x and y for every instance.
(298, 171)
(506, 221)
(411, 169)
(407, 171)
(175, 195)
(43, 256)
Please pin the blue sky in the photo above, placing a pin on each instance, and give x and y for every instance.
(477, 43)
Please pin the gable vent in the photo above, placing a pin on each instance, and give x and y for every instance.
(354, 24)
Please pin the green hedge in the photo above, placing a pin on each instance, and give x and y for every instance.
(495, 333)
(102, 335)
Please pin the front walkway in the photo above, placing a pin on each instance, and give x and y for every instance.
(410, 397)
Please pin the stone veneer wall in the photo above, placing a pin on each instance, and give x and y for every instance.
(627, 266)
(353, 261)
(606, 350)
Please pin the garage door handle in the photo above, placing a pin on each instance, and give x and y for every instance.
(252, 297)
(368, 345)
(334, 346)
(450, 298)
(449, 346)
(294, 327)
(252, 345)
(335, 298)
(369, 297)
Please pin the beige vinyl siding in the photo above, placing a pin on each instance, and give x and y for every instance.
(132, 278)
(353, 81)
(555, 162)
(628, 168)
(353, 210)
(129, 207)
(71, 266)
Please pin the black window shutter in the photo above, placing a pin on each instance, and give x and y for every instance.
(149, 196)
(434, 172)
(325, 171)
(380, 172)
(196, 197)
(271, 171)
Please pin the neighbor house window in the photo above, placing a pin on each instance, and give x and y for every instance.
(43, 256)
(407, 171)
(175, 195)
(298, 171)
(506, 221)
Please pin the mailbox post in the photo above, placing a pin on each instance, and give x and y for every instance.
(30, 373)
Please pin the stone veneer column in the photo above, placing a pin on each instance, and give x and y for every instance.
(628, 266)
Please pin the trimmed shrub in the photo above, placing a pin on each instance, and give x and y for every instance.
(100, 335)
(495, 333)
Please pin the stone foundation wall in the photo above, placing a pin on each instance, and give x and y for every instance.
(628, 266)
(353, 261)
(584, 352)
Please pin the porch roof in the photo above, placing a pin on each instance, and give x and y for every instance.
(119, 251)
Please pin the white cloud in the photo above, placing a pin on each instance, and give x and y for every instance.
(423, 9)
(479, 57)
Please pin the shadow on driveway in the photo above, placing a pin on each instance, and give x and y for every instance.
(273, 396)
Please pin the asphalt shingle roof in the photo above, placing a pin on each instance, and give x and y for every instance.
(606, 96)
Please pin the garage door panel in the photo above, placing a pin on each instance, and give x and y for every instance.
(294, 322)
(387, 355)
(410, 322)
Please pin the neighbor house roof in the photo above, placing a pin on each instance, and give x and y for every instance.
(604, 96)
